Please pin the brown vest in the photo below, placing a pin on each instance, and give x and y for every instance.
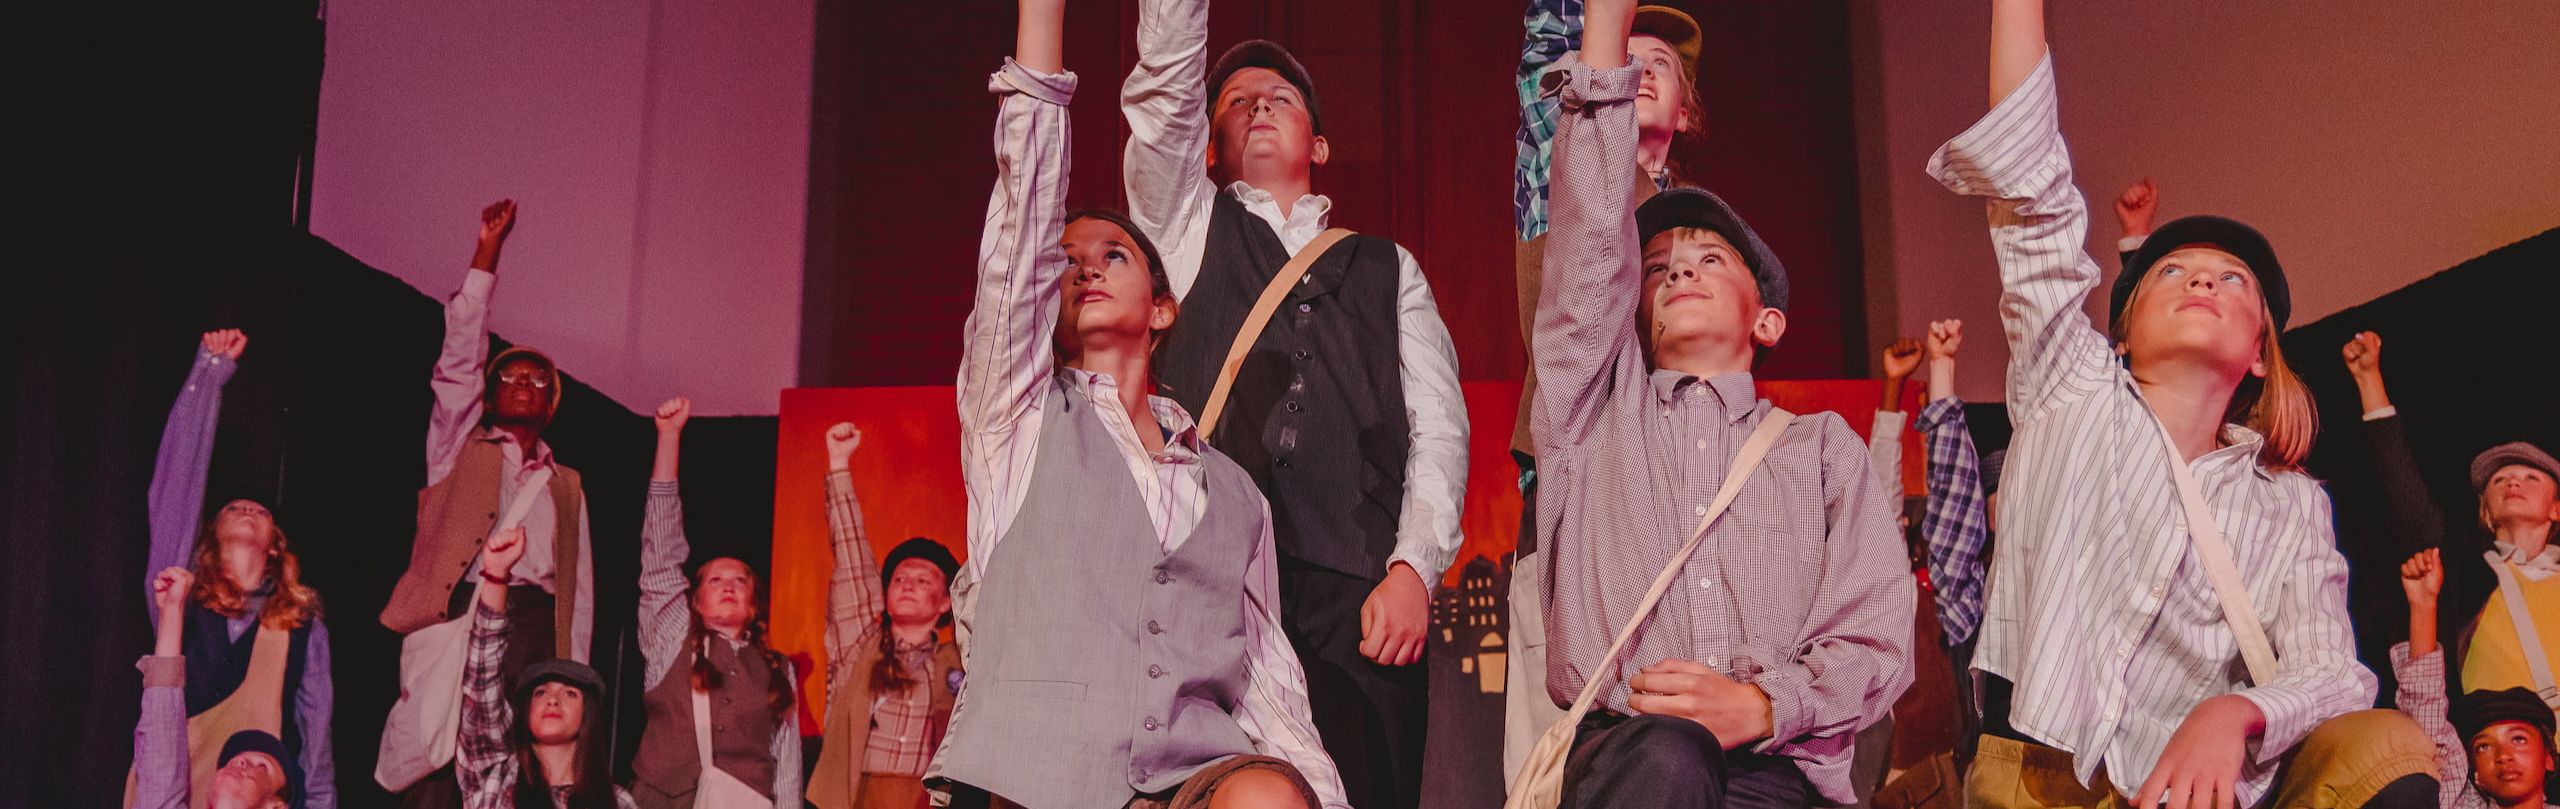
(455, 515)
(667, 767)
(848, 727)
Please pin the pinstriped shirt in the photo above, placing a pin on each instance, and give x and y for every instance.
(2098, 611)
(1801, 588)
(1008, 366)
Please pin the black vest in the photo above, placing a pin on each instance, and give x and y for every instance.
(1317, 413)
(216, 664)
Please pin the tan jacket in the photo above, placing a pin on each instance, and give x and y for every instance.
(834, 783)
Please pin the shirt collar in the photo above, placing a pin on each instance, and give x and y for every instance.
(2238, 442)
(541, 454)
(2545, 563)
(1312, 209)
(1182, 441)
(1732, 395)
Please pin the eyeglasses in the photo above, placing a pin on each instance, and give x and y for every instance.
(531, 379)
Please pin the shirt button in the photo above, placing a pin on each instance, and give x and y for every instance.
(1715, 662)
(1151, 723)
(2156, 590)
(1155, 672)
(1706, 584)
(2124, 651)
(1702, 443)
(1701, 511)
(1154, 628)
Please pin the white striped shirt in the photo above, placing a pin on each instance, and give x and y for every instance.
(1006, 370)
(2097, 610)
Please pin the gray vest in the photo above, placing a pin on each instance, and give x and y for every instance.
(1100, 666)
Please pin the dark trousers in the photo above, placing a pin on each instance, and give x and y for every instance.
(1371, 716)
(1659, 761)
(531, 636)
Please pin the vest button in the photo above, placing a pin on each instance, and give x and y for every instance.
(1293, 406)
(1155, 672)
(1163, 577)
(1303, 355)
(1154, 628)
(1151, 723)
(1304, 308)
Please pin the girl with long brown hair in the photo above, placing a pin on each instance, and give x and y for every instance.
(890, 678)
(722, 731)
(257, 655)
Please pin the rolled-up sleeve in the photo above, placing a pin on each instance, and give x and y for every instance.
(1585, 333)
(2039, 226)
(1435, 481)
(2321, 678)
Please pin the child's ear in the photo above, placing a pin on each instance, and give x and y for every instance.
(1321, 151)
(1771, 325)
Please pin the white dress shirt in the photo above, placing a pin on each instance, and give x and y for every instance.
(1167, 173)
(1007, 369)
(2098, 610)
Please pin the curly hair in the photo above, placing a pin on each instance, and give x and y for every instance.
(290, 606)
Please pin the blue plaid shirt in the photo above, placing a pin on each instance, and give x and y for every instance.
(1956, 524)
(1554, 29)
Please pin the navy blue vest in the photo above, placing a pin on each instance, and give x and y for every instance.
(216, 664)
(1317, 413)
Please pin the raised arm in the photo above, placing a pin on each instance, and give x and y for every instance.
(186, 452)
(1550, 30)
(2015, 157)
(2419, 667)
(2411, 519)
(161, 778)
(481, 761)
(2135, 209)
(664, 616)
(1274, 712)
(1585, 339)
(1165, 165)
(853, 591)
(1956, 524)
(459, 376)
(1884, 437)
(1007, 353)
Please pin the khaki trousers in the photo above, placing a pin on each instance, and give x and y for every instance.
(2341, 765)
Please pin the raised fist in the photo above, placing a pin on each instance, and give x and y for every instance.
(496, 221)
(226, 343)
(2422, 577)
(1901, 358)
(842, 440)
(505, 549)
(169, 589)
(2137, 206)
(673, 413)
(1945, 336)
(2363, 354)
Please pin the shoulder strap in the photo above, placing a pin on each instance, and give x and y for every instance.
(2237, 612)
(1753, 449)
(1259, 317)
(2521, 615)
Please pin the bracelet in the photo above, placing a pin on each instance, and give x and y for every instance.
(493, 578)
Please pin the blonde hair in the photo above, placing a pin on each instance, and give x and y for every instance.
(289, 607)
(2278, 407)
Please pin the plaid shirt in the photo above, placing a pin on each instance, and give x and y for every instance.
(2422, 697)
(1956, 525)
(1554, 28)
(486, 768)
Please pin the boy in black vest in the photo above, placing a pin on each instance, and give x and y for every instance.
(1346, 411)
